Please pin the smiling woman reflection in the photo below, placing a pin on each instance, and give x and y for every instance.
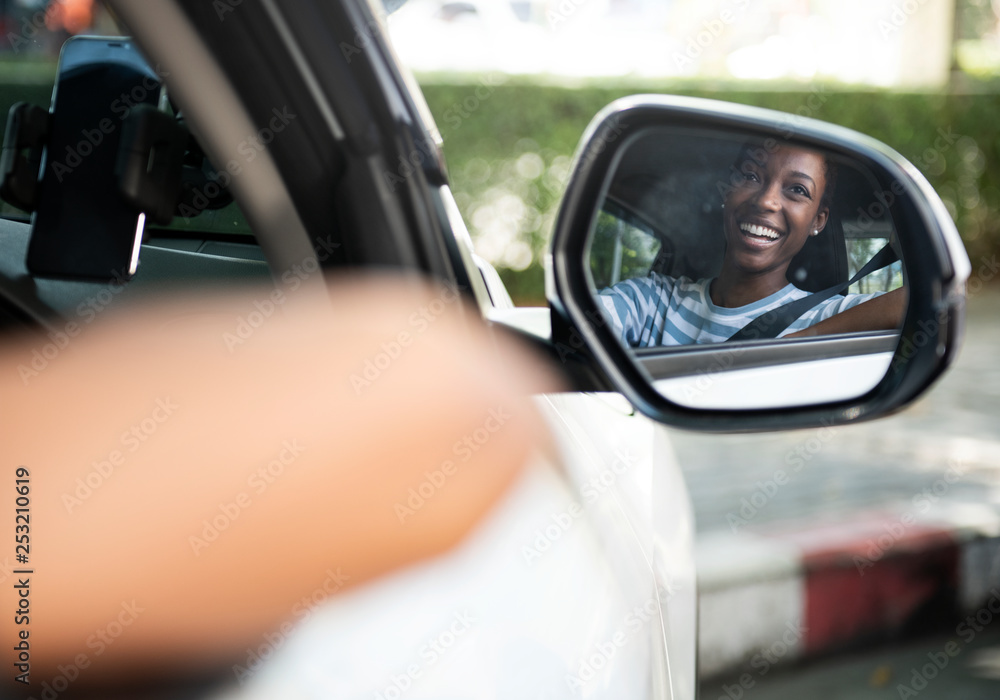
(781, 199)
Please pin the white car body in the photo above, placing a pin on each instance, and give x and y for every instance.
(580, 584)
(571, 588)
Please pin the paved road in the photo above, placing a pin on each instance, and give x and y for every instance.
(962, 665)
(879, 464)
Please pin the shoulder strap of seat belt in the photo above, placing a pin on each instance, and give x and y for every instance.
(770, 324)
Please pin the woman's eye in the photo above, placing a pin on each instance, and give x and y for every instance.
(800, 190)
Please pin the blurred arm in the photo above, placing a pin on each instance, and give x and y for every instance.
(196, 487)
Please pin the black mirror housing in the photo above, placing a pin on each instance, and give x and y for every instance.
(933, 257)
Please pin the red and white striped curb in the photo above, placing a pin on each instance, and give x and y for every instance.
(771, 595)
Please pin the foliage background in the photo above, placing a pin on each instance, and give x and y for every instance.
(509, 145)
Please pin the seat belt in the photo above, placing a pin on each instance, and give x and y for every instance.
(770, 324)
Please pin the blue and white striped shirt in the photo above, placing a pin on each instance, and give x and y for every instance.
(659, 310)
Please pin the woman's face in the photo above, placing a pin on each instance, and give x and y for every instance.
(774, 208)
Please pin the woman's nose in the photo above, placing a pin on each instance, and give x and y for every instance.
(768, 196)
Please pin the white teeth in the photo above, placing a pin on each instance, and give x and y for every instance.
(756, 230)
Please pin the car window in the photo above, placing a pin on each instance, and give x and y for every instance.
(862, 246)
(622, 247)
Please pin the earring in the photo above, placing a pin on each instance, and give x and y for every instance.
(723, 205)
(815, 232)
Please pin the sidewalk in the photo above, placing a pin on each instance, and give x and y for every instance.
(816, 541)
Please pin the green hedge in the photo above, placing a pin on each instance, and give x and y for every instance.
(508, 146)
(483, 124)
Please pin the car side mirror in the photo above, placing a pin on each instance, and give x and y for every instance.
(734, 268)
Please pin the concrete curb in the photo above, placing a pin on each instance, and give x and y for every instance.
(796, 590)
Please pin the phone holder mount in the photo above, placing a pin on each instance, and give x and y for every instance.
(150, 162)
(149, 168)
(159, 169)
(20, 160)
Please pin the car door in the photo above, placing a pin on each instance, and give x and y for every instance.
(360, 166)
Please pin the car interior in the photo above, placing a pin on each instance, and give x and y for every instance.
(673, 188)
(662, 214)
(203, 238)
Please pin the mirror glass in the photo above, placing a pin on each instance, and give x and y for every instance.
(748, 272)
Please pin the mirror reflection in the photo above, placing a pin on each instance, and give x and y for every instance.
(716, 237)
(708, 237)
